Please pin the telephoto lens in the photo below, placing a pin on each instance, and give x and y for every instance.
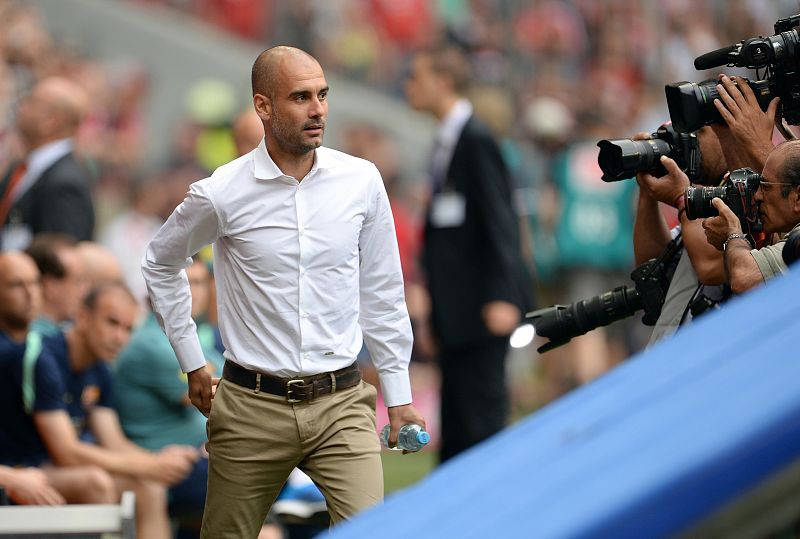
(621, 159)
(691, 104)
(698, 201)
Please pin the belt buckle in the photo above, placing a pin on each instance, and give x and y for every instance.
(289, 385)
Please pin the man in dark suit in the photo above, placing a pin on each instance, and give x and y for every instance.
(472, 255)
(48, 191)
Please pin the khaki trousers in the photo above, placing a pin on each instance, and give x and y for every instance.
(256, 439)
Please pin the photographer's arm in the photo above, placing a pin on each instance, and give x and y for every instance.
(746, 138)
(741, 269)
(650, 232)
(706, 260)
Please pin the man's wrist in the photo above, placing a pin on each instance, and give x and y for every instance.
(734, 236)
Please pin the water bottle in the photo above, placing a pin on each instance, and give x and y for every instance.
(411, 437)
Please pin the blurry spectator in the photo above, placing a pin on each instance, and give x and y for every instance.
(28, 486)
(472, 254)
(63, 284)
(127, 235)
(49, 190)
(100, 264)
(82, 427)
(26, 373)
(211, 106)
(150, 395)
(247, 132)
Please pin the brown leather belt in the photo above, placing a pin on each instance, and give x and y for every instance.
(300, 389)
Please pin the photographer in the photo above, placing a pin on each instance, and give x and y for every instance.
(778, 200)
(746, 135)
(699, 263)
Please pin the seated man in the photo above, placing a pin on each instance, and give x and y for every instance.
(64, 388)
(28, 486)
(150, 394)
(778, 199)
(25, 389)
(63, 281)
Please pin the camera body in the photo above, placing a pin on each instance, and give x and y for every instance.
(560, 323)
(691, 105)
(737, 194)
(620, 159)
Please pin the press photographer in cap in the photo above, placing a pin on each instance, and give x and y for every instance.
(778, 201)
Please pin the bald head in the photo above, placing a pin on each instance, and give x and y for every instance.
(20, 295)
(268, 65)
(65, 97)
(247, 131)
(102, 267)
(53, 110)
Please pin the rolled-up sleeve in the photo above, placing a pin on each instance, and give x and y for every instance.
(193, 225)
(383, 315)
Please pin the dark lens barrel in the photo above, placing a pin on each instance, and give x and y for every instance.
(791, 249)
(620, 159)
(560, 324)
(691, 105)
(698, 201)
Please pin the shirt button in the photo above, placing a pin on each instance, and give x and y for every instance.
(304, 315)
(305, 356)
(302, 231)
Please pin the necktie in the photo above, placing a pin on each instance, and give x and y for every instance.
(8, 195)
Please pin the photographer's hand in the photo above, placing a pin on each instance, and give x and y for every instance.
(719, 228)
(667, 189)
(748, 126)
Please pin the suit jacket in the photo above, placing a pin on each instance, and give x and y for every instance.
(478, 260)
(59, 201)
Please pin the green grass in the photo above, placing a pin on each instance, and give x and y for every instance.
(400, 471)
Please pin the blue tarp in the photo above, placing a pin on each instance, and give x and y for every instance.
(647, 450)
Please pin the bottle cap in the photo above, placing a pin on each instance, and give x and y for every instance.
(423, 437)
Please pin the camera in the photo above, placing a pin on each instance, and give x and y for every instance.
(791, 249)
(620, 159)
(737, 194)
(691, 105)
(560, 323)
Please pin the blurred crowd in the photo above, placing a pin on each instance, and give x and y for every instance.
(533, 62)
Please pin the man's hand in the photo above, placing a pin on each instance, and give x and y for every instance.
(172, 464)
(720, 227)
(200, 392)
(403, 415)
(748, 127)
(666, 189)
(29, 486)
(501, 318)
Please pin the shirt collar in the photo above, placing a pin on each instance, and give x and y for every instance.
(452, 125)
(266, 169)
(44, 156)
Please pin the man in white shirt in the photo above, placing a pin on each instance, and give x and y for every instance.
(306, 262)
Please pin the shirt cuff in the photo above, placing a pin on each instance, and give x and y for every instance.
(190, 354)
(396, 388)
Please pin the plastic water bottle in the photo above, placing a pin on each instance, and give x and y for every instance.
(411, 437)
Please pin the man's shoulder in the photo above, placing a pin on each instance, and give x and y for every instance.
(68, 169)
(334, 159)
(224, 175)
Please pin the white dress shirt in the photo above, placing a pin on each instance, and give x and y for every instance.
(303, 269)
(447, 137)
